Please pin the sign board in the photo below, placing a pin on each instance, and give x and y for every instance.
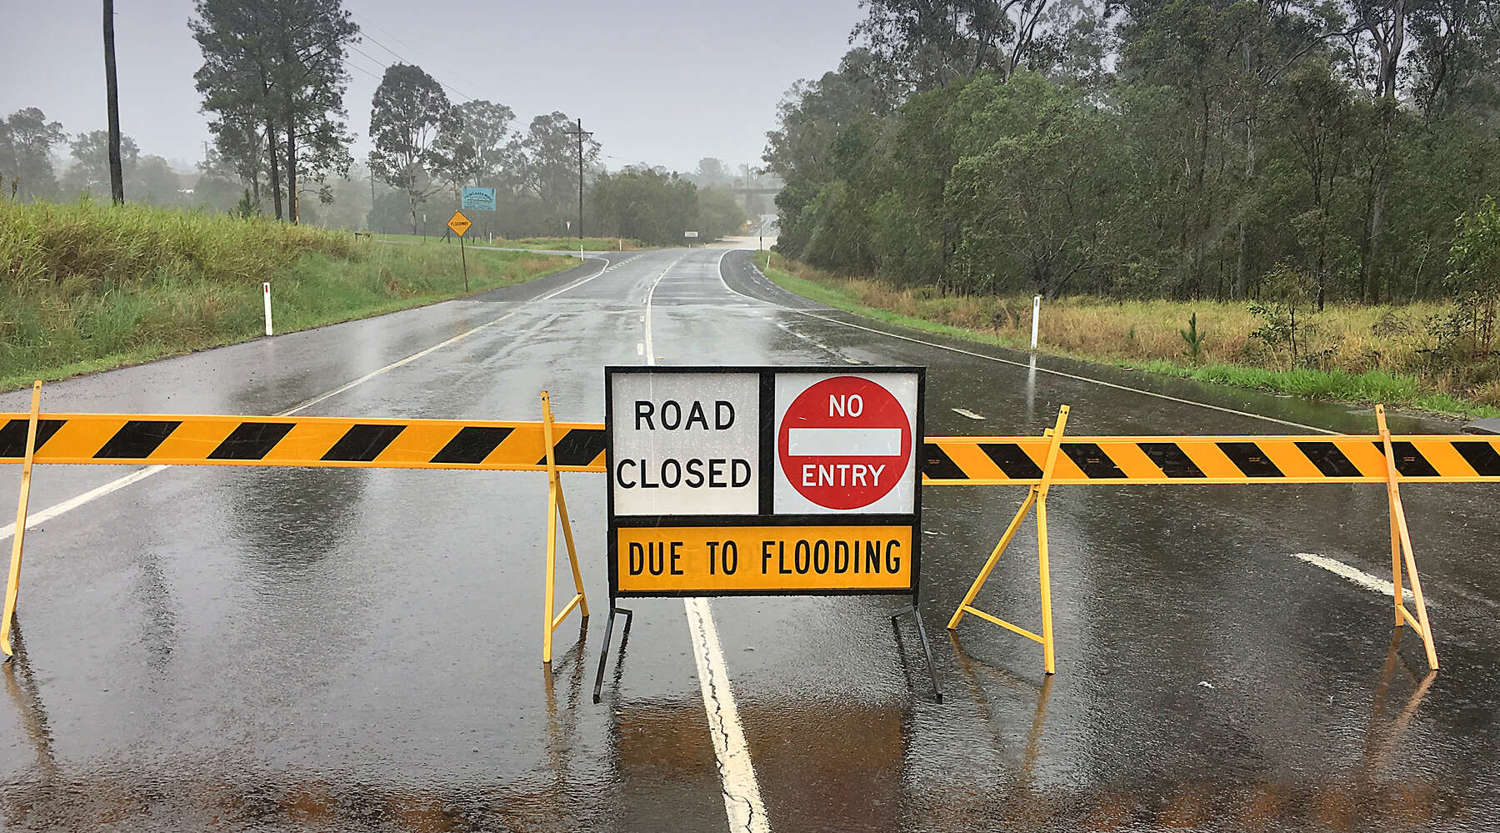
(478, 199)
(459, 223)
(690, 234)
(738, 481)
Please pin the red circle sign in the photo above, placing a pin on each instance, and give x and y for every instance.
(844, 443)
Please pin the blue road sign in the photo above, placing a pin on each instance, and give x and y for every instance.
(479, 199)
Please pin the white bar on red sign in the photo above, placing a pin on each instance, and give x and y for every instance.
(843, 442)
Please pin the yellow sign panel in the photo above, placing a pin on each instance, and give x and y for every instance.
(459, 223)
(762, 559)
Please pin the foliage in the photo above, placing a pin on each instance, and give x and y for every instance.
(1192, 336)
(1192, 149)
(406, 116)
(26, 142)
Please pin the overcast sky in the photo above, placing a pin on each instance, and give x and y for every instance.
(660, 81)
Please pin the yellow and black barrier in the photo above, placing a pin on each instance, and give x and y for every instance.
(556, 447)
(201, 440)
(1049, 460)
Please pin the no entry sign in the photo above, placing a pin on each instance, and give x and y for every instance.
(845, 443)
(731, 480)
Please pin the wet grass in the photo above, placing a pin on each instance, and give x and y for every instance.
(86, 286)
(1366, 354)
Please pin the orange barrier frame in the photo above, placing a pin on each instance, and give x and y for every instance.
(1401, 552)
(557, 512)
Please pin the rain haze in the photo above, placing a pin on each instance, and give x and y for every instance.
(663, 83)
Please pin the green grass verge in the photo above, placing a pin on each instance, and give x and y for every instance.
(89, 287)
(1370, 387)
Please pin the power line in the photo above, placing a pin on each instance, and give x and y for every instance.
(371, 38)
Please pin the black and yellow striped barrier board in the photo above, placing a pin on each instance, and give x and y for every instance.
(1019, 461)
(302, 441)
(579, 447)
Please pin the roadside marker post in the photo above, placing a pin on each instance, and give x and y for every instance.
(1036, 318)
(265, 289)
(735, 481)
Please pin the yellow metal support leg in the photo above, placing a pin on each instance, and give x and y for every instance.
(1401, 550)
(557, 511)
(18, 540)
(1037, 498)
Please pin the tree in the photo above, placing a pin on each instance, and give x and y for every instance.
(552, 163)
(273, 74)
(646, 205)
(26, 142)
(407, 114)
(476, 146)
(91, 167)
(155, 183)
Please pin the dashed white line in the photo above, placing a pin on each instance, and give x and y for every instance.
(35, 519)
(742, 802)
(965, 412)
(1374, 584)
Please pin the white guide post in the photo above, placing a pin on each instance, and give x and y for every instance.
(1036, 314)
(265, 289)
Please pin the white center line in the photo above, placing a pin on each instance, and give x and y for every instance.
(742, 801)
(35, 519)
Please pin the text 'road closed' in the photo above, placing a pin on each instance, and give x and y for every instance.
(661, 560)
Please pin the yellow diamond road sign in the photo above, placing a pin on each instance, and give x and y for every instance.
(459, 223)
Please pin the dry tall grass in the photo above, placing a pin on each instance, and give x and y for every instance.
(1342, 339)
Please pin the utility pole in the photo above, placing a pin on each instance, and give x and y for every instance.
(112, 96)
(580, 135)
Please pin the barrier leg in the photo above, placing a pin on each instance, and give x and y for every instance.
(984, 573)
(1037, 498)
(18, 540)
(1401, 550)
(557, 511)
(1044, 577)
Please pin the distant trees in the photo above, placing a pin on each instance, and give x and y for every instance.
(657, 207)
(26, 142)
(273, 78)
(407, 115)
(1147, 148)
(90, 171)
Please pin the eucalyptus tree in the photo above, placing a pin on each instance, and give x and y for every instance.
(407, 115)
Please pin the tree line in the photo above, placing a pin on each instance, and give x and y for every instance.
(273, 81)
(1152, 148)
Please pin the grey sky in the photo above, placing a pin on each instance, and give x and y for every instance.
(665, 82)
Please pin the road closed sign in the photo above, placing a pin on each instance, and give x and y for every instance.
(730, 480)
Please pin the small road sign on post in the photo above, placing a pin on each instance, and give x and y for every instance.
(460, 224)
(478, 199)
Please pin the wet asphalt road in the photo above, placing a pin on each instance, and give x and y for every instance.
(243, 649)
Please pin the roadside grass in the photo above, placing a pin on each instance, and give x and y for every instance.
(590, 244)
(86, 286)
(1364, 354)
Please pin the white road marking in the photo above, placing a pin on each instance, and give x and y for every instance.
(1374, 584)
(965, 412)
(742, 801)
(964, 352)
(35, 519)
